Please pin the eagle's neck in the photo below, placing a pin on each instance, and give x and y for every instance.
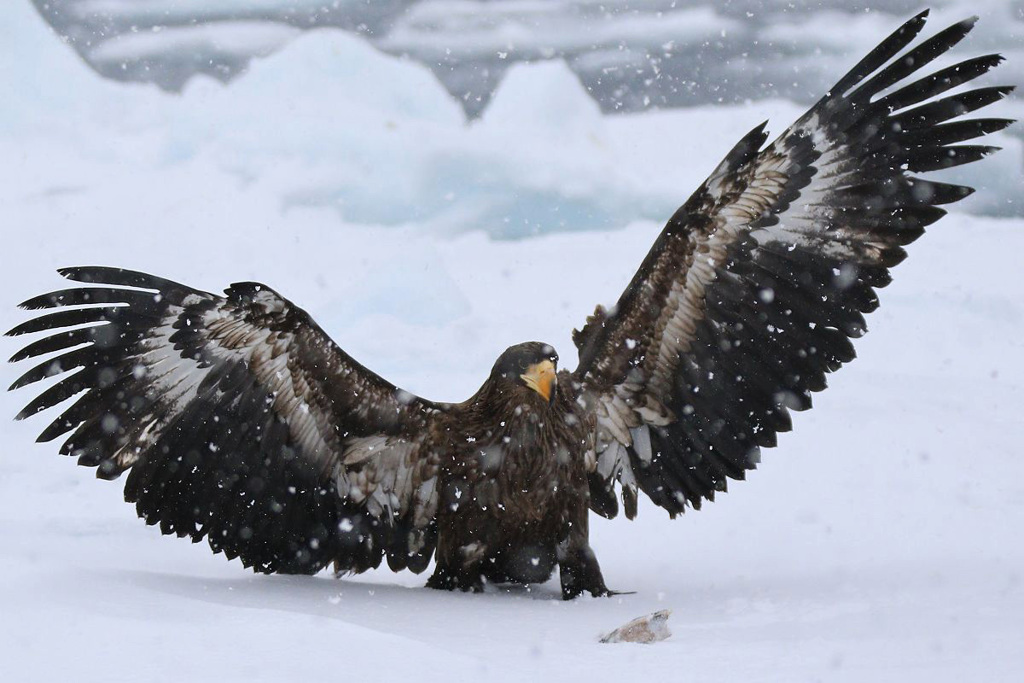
(525, 438)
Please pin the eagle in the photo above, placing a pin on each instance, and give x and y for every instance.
(239, 421)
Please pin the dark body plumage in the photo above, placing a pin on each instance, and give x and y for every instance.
(239, 421)
(515, 482)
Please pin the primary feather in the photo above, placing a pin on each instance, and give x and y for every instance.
(238, 418)
(752, 292)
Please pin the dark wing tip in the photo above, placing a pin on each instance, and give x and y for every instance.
(54, 300)
(19, 330)
(964, 26)
(996, 125)
(996, 58)
(27, 411)
(75, 272)
(955, 33)
(247, 289)
(119, 276)
(917, 22)
(22, 328)
(744, 150)
(1002, 91)
(103, 275)
(19, 383)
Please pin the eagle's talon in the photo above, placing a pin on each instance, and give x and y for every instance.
(445, 580)
(572, 592)
(470, 583)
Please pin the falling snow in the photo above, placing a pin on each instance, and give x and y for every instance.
(879, 542)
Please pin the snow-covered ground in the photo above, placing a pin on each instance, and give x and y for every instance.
(880, 542)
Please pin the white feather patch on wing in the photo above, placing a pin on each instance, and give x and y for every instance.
(176, 378)
(642, 442)
(387, 473)
(621, 412)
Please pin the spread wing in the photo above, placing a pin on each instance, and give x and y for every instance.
(752, 292)
(240, 421)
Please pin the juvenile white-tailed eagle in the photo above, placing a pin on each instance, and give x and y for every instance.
(241, 422)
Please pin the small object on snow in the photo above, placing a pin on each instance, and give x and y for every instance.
(646, 629)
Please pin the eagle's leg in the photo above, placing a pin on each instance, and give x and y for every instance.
(446, 579)
(462, 572)
(579, 571)
(578, 568)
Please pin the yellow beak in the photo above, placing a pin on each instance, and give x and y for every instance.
(541, 378)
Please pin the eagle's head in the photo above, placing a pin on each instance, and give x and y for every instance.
(527, 366)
